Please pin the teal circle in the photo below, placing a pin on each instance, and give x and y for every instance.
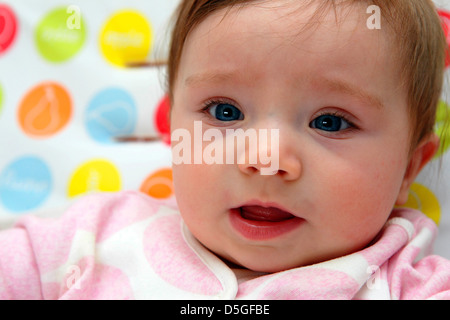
(111, 113)
(25, 184)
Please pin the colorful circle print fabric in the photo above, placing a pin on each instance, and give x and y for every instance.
(68, 90)
(73, 89)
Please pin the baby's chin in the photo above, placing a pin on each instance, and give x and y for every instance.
(264, 265)
(272, 264)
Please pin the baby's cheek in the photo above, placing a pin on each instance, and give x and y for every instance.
(196, 186)
(361, 207)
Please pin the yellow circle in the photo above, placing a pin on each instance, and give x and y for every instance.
(126, 38)
(94, 176)
(421, 198)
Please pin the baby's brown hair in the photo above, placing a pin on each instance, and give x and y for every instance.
(417, 34)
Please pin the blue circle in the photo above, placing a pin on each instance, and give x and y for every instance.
(111, 113)
(25, 184)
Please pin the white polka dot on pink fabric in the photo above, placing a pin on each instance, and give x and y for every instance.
(102, 214)
(88, 280)
(172, 259)
(306, 284)
(393, 238)
(123, 210)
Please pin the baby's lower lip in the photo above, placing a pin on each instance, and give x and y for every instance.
(259, 224)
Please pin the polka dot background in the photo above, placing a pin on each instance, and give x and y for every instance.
(67, 92)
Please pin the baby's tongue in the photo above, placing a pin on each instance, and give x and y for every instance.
(264, 214)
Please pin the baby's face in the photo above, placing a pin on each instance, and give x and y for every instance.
(332, 92)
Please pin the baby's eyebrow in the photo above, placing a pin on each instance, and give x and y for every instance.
(333, 84)
(352, 90)
(208, 77)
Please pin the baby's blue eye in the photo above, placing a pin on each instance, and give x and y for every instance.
(225, 112)
(329, 122)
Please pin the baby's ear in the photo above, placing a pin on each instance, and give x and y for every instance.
(423, 153)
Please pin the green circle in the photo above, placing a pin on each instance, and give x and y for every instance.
(1, 99)
(442, 127)
(60, 34)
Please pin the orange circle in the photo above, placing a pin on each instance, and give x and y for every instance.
(45, 110)
(159, 184)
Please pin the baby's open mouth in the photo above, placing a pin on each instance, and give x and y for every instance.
(262, 223)
(270, 214)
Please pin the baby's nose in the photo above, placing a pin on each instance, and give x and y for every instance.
(288, 169)
(274, 157)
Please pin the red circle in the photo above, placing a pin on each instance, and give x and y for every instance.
(445, 18)
(162, 119)
(8, 27)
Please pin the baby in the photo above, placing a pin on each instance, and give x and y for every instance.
(349, 90)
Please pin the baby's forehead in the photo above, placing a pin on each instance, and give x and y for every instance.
(250, 46)
(294, 20)
(240, 28)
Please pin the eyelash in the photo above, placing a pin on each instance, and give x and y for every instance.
(343, 116)
(352, 126)
(216, 101)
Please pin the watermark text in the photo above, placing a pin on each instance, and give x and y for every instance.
(235, 146)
